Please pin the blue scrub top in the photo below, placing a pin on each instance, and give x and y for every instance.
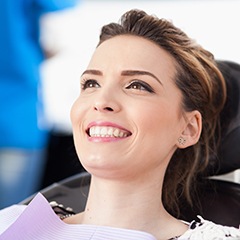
(21, 107)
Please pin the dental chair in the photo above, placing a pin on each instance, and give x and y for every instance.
(220, 199)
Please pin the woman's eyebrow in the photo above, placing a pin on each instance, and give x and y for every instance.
(123, 73)
(92, 71)
(139, 72)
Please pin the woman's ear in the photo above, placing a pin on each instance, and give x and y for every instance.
(192, 131)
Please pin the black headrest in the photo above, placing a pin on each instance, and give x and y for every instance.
(228, 158)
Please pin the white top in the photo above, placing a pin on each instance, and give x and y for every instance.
(39, 222)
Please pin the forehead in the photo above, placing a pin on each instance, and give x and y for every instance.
(132, 52)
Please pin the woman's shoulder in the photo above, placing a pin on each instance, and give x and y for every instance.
(203, 229)
(9, 214)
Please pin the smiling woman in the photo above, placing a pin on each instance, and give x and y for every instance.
(144, 127)
(120, 92)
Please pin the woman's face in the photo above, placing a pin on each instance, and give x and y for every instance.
(127, 118)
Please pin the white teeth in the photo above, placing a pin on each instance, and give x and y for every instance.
(116, 132)
(98, 131)
(110, 131)
(91, 131)
(103, 131)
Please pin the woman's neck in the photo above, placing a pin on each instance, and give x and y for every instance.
(119, 204)
(136, 205)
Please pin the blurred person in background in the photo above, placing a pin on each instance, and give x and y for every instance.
(23, 130)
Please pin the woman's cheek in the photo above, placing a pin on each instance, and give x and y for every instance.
(76, 111)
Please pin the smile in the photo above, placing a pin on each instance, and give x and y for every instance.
(107, 132)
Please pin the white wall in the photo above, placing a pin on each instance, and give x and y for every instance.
(74, 34)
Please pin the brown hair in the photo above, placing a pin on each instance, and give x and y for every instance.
(203, 89)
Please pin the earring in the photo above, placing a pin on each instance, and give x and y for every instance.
(181, 140)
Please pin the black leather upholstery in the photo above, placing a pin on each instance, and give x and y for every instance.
(71, 192)
(219, 201)
(228, 158)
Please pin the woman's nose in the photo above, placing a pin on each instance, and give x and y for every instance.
(107, 103)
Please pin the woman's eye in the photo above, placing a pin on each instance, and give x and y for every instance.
(89, 84)
(141, 86)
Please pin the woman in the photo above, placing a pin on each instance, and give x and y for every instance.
(143, 126)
